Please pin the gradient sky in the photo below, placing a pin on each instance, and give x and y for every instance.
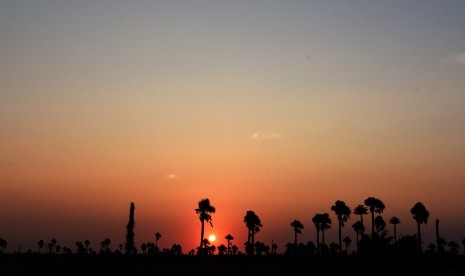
(281, 107)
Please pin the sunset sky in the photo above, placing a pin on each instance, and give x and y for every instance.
(280, 107)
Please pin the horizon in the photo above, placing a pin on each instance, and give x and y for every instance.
(277, 107)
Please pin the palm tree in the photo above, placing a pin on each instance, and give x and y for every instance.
(347, 241)
(342, 212)
(157, 237)
(297, 226)
(204, 211)
(380, 224)
(420, 215)
(394, 221)
(361, 210)
(359, 229)
(375, 205)
(87, 244)
(229, 238)
(316, 221)
(41, 244)
(253, 223)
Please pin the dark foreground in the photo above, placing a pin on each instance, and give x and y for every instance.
(34, 264)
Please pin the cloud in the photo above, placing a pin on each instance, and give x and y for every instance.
(173, 176)
(456, 59)
(266, 136)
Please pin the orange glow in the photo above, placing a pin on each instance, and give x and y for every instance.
(212, 238)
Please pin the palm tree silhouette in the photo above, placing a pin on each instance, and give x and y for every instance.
(87, 244)
(394, 221)
(297, 226)
(380, 225)
(342, 212)
(420, 215)
(361, 210)
(204, 210)
(347, 241)
(253, 223)
(229, 238)
(375, 205)
(359, 229)
(41, 244)
(324, 224)
(157, 237)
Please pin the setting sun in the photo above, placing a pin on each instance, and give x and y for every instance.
(212, 238)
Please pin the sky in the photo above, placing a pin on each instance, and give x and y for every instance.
(280, 107)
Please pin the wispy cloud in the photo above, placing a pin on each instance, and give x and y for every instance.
(456, 59)
(173, 176)
(266, 136)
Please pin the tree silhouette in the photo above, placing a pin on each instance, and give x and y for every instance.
(204, 210)
(297, 226)
(229, 238)
(105, 244)
(420, 215)
(375, 205)
(222, 249)
(347, 241)
(157, 237)
(342, 212)
(359, 229)
(380, 225)
(41, 244)
(129, 245)
(361, 210)
(253, 223)
(87, 244)
(322, 223)
(394, 221)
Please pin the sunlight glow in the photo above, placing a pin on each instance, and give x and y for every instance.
(212, 238)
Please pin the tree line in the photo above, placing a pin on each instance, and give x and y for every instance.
(377, 241)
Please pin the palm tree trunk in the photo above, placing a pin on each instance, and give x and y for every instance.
(419, 236)
(395, 234)
(340, 237)
(295, 238)
(323, 236)
(201, 235)
(318, 241)
(356, 235)
(372, 223)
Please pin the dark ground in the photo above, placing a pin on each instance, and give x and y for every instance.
(34, 264)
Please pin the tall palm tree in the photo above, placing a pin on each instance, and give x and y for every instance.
(342, 212)
(359, 229)
(157, 237)
(420, 215)
(325, 224)
(316, 221)
(253, 223)
(375, 205)
(297, 226)
(204, 211)
(229, 238)
(394, 221)
(361, 210)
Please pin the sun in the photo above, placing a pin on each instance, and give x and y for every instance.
(212, 238)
